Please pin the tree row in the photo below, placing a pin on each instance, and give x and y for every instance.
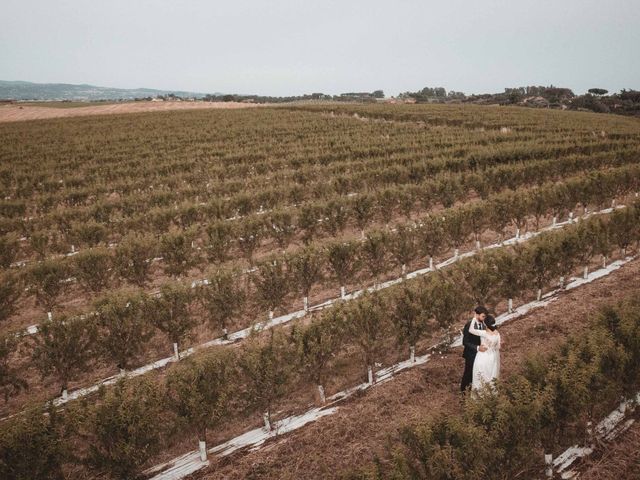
(128, 424)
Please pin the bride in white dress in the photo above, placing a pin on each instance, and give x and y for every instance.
(486, 366)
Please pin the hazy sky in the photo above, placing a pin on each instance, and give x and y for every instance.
(278, 47)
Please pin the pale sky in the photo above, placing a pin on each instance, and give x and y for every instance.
(288, 47)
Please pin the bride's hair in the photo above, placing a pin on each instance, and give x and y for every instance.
(490, 323)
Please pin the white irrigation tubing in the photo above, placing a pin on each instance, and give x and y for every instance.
(609, 428)
(241, 334)
(186, 464)
(33, 329)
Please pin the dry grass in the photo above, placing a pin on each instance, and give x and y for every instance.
(22, 112)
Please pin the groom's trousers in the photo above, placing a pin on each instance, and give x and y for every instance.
(467, 376)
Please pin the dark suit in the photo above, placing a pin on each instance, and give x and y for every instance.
(471, 344)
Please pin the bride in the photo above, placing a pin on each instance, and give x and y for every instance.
(486, 366)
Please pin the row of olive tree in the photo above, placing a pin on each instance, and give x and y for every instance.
(400, 190)
(429, 237)
(545, 407)
(125, 427)
(123, 324)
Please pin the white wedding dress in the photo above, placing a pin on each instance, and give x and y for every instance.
(486, 366)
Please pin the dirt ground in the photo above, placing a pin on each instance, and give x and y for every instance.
(21, 112)
(363, 427)
(619, 460)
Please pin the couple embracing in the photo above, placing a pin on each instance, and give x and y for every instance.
(481, 353)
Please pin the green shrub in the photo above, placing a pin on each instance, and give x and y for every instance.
(47, 278)
(93, 268)
(272, 284)
(9, 247)
(133, 257)
(177, 255)
(123, 328)
(11, 383)
(170, 312)
(123, 429)
(368, 326)
(64, 347)
(33, 446)
(268, 369)
(11, 289)
(219, 240)
(199, 391)
(318, 343)
(223, 299)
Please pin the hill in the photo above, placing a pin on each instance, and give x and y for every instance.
(18, 90)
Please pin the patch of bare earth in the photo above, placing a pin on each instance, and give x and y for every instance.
(17, 113)
(364, 426)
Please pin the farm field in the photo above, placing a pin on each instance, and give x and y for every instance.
(126, 238)
(23, 111)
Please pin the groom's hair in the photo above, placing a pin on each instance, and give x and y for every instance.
(480, 310)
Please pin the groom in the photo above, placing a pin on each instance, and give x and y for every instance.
(472, 346)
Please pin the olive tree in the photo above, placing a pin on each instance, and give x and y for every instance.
(9, 247)
(123, 328)
(177, 255)
(199, 391)
(133, 257)
(624, 229)
(223, 298)
(33, 445)
(272, 284)
(268, 369)
(432, 238)
(410, 319)
(40, 243)
(368, 326)
(283, 227)
(306, 270)
(374, 253)
(92, 268)
(219, 240)
(123, 428)
(47, 280)
(170, 313)
(444, 301)
(511, 274)
(457, 228)
(480, 277)
(317, 344)
(64, 347)
(344, 262)
(540, 260)
(11, 382)
(10, 292)
(336, 214)
(250, 233)
(478, 217)
(404, 247)
(308, 221)
(362, 207)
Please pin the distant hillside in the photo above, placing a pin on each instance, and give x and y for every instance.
(63, 91)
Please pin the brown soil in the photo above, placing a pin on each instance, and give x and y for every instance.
(363, 426)
(617, 461)
(21, 112)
